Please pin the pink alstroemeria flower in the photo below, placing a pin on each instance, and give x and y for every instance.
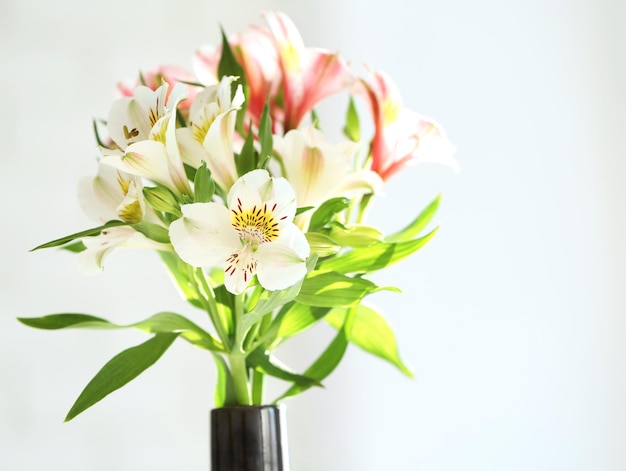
(402, 137)
(254, 50)
(309, 74)
(154, 78)
(276, 57)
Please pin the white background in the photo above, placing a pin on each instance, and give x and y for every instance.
(512, 318)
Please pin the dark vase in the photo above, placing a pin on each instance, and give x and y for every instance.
(249, 438)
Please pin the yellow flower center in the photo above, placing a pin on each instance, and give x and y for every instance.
(255, 225)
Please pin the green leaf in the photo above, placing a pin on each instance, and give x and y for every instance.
(247, 159)
(120, 370)
(372, 333)
(321, 244)
(163, 322)
(315, 120)
(270, 365)
(203, 185)
(303, 209)
(417, 225)
(179, 272)
(171, 322)
(332, 289)
(162, 199)
(352, 128)
(97, 133)
(326, 212)
(75, 247)
(228, 65)
(224, 388)
(190, 173)
(356, 235)
(65, 321)
(153, 231)
(299, 318)
(375, 257)
(225, 306)
(328, 360)
(265, 135)
(88, 233)
(269, 301)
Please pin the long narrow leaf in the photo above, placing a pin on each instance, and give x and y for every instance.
(120, 370)
(224, 389)
(269, 301)
(153, 231)
(268, 364)
(417, 225)
(163, 322)
(372, 333)
(375, 257)
(178, 271)
(66, 321)
(87, 233)
(265, 135)
(328, 360)
(332, 289)
(325, 213)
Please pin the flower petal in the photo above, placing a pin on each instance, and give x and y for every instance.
(146, 159)
(282, 263)
(91, 259)
(204, 235)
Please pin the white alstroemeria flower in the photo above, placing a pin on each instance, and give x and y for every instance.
(254, 235)
(131, 119)
(319, 170)
(157, 158)
(97, 247)
(112, 194)
(212, 118)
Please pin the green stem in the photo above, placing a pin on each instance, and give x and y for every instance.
(239, 373)
(257, 387)
(210, 305)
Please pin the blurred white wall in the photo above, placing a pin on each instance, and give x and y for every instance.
(513, 318)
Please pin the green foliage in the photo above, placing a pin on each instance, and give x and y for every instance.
(75, 247)
(321, 244)
(332, 289)
(163, 322)
(203, 185)
(328, 360)
(326, 212)
(265, 136)
(268, 364)
(372, 333)
(355, 235)
(267, 302)
(224, 389)
(417, 225)
(153, 231)
(375, 257)
(120, 370)
(228, 65)
(298, 318)
(162, 199)
(180, 273)
(88, 233)
(248, 157)
(65, 321)
(352, 128)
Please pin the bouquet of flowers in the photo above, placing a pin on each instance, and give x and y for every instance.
(257, 217)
